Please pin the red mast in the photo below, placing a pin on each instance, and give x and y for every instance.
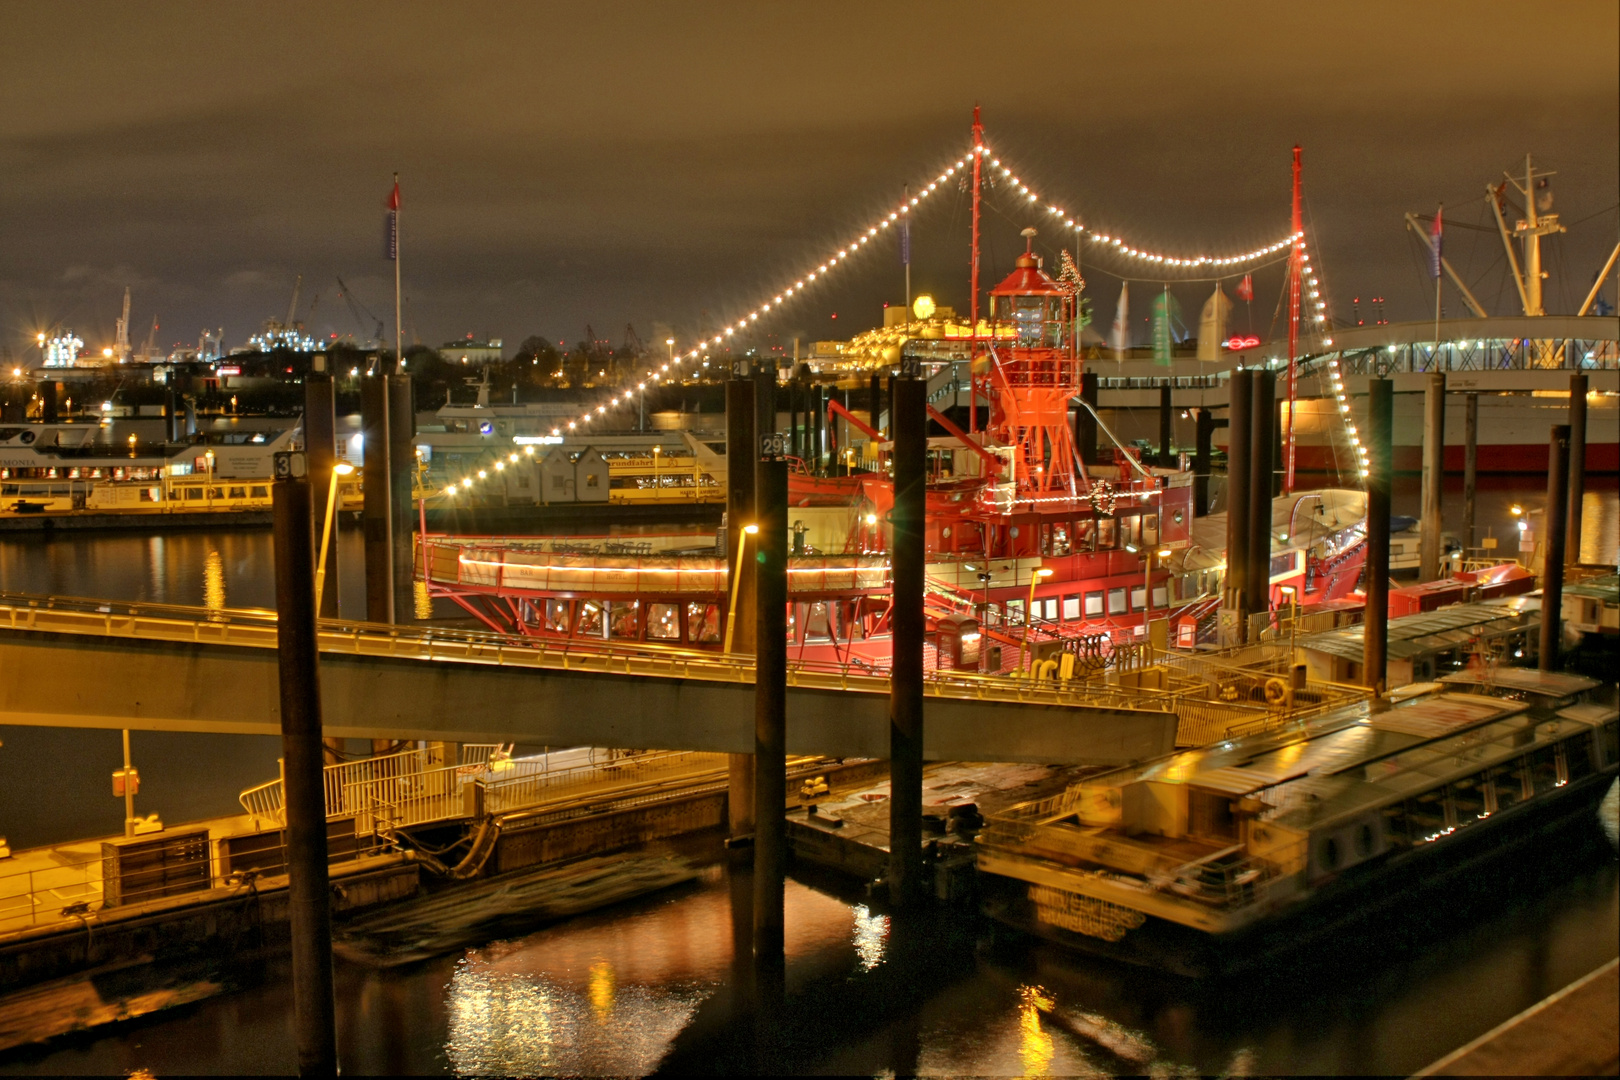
(1296, 263)
(973, 284)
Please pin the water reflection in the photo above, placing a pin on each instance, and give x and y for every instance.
(521, 1024)
(1035, 1045)
(870, 935)
(214, 581)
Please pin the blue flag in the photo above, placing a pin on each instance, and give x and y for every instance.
(905, 242)
(391, 235)
(1436, 243)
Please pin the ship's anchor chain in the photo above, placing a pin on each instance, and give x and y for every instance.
(1102, 496)
(1088, 652)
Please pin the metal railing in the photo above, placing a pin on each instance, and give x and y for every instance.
(503, 793)
(38, 888)
(257, 629)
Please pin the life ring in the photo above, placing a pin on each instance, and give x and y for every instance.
(1277, 692)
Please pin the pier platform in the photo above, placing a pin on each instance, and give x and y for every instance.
(1575, 1032)
(846, 830)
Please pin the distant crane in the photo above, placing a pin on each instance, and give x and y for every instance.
(356, 307)
(149, 350)
(292, 308)
(632, 341)
(121, 345)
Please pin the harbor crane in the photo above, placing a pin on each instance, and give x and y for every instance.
(356, 308)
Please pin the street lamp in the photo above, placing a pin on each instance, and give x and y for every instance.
(208, 459)
(1029, 613)
(656, 451)
(736, 582)
(342, 468)
(1292, 594)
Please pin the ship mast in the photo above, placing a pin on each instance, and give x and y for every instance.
(973, 283)
(1530, 229)
(1296, 263)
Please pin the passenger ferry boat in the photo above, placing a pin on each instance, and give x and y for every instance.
(48, 469)
(1208, 859)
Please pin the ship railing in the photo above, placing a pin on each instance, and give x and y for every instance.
(1232, 878)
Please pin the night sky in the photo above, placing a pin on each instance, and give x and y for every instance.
(663, 163)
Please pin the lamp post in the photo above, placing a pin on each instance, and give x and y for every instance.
(731, 609)
(656, 452)
(342, 468)
(1147, 592)
(1029, 614)
(208, 491)
(1293, 618)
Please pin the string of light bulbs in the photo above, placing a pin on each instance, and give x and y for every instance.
(1335, 372)
(655, 375)
(1115, 243)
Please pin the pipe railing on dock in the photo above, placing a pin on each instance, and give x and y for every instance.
(36, 892)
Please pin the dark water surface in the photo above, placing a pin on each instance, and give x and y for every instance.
(657, 983)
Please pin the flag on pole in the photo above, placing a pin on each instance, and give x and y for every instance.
(1245, 289)
(1436, 239)
(905, 241)
(1121, 336)
(1212, 324)
(391, 236)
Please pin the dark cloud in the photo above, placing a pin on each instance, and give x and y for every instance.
(566, 164)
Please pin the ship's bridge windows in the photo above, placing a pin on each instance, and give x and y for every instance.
(554, 616)
(591, 621)
(624, 619)
(1071, 608)
(1116, 601)
(663, 622)
(702, 622)
(1036, 321)
(1138, 598)
(817, 623)
(238, 492)
(1094, 605)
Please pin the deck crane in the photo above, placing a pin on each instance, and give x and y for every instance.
(356, 308)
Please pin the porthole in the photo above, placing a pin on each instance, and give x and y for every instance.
(1364, 840)
(1013, 532)
(1330, 853)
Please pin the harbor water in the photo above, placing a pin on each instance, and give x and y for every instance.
(658, 983)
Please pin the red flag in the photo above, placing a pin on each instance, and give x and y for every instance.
(1245, 289)
(393, 200)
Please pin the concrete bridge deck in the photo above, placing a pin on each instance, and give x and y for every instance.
(107, 664)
